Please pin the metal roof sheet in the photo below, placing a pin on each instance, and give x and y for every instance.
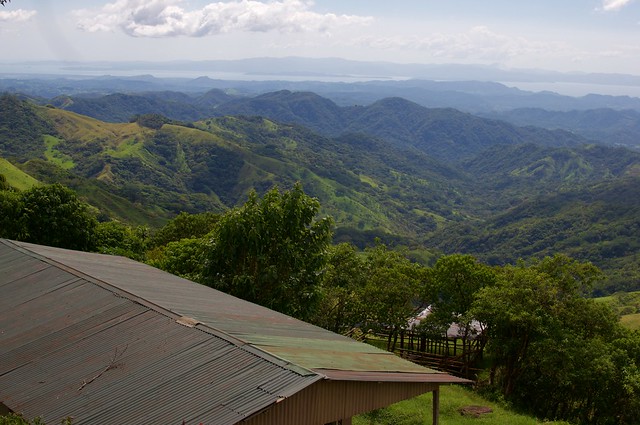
(70, 345)
(110, 340)
(301, 343)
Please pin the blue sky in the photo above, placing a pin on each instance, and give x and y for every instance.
(564, 35)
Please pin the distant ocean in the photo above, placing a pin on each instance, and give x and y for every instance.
(47, 69)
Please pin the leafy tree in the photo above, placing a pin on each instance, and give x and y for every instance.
(185, 226)
(15, 419)
(453, 283)
(391, 295)
(115, 238)
(342, 303)
(182, 258)
(554, 351)
(153, 121)
(11, 226)
(53, 215)
(4, 184)
(271, 251)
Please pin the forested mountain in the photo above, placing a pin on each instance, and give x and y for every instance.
(598, 223)
(432, 178)
(444, 133)
(446, 87)
(447, 134)
(438, 132)
(608, 122)
(610, 126)
(119, 107)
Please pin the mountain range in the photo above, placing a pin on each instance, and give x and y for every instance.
(435, 178)
(603, 119)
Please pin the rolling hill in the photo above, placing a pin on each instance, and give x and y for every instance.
(440, 179)
(605, 125)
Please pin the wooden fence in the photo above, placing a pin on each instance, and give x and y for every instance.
(455, 355)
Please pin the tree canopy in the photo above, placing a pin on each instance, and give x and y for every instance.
(48, 215)
(271, 251)
(453, 284)
(553, 351)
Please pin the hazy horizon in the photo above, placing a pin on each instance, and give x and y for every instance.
(330, 70)
(593, 36)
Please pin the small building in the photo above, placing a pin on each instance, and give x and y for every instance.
(107, 340)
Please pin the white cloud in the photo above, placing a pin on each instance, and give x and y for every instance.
(612, 5)
(164, 18)
(478, 43)
(19, 15)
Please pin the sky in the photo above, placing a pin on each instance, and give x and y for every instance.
(562, 35)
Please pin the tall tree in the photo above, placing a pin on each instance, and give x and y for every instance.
(4, 184)
(555, 352)
(183, 258)
(342, 304)
(453, 283)
(391, 295)
(115, 238)
(185, 226)
(10, 209)
(53, 215)
(271, 251)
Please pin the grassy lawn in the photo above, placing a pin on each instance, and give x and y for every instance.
(418, 411)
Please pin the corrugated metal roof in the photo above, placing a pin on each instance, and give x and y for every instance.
(67, 316)
(71, 345)
(298, 342)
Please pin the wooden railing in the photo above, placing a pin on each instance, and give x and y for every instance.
(453, 365)
(455, 355)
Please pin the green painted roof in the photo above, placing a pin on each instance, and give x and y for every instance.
(301, 344)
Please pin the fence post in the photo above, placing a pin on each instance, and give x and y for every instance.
(436, 406)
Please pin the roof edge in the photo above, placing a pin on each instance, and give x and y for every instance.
(406, 377)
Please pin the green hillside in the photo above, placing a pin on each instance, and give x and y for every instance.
(445, 134)
(499, 202)
(16, 177)
(627, 305)
(619, 127)
(598, 222)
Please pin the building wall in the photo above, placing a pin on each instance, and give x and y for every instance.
(4, 410)
(330, 401)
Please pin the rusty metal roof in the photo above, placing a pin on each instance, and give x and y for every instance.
(110, 340)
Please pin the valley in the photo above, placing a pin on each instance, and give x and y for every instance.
(435, 180)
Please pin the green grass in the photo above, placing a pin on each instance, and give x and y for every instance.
(368, 180)
(631, 321)
(418, 411)
(627, 305)
(16, 177)
(54, 155)
(129, 148)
